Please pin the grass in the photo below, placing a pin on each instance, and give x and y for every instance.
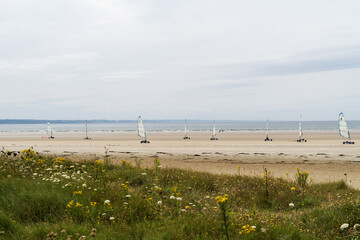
(44, 197)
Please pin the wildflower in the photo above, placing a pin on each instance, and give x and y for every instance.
(93, 204)
(187, 207)
(159, 202)
(69, 205)
(222, 199)
(183, 210)
(128, 196)
(344, 226)
(35, 174)
(253, 227)
(77, 192)
(357, 226)
(111, 218)
(107, 202)
(63, 231)
(293, 188)
(78, 204)
(179, 198)
(263, 230)
(172, 197)
(291, 205)
(150, 198)
(143, 174)
(126, 203)
(84, 185)
(207, 197)
(104, 214)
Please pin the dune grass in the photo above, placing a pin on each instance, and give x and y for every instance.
(43, 197)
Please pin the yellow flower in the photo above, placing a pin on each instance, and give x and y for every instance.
(77, 192)
(78, 204)
(69, 205)
(293, 188)
(187, 207)
(98, 162)
(222, 199)
(93, 204)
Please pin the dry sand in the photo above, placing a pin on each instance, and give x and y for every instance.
(323, 156)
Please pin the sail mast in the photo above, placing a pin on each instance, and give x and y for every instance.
(185, 129)
(214, 131)
(300, 127)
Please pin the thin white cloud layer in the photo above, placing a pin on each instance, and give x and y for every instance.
(115, 59)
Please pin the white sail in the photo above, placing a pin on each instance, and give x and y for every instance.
(343, 128)
(267, 128)
(186, 132)
(300, 127)
(49, 130)
(141, 128)
(86, 130)
(214, 131)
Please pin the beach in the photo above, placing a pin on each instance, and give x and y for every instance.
(236, 152)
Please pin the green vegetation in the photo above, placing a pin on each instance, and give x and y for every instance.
(44, 197)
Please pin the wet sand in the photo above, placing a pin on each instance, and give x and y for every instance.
(323, 155)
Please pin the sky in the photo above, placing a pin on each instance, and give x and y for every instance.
(165, 59)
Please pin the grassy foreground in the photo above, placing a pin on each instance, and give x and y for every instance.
(44, 197)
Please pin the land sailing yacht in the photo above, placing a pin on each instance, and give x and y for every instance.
(301, 131)
(86, 132)
(141, 131)
(186, 132)
(214, 133)
(267, 132)
(49, 131)
(344, 130)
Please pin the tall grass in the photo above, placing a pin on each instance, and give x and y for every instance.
(43, 197)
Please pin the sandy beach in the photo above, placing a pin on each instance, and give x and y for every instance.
(323, 156)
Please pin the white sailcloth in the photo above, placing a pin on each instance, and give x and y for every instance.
(141, 128)
(186, 132)
(343, 128)
(214, 131)
(49, 130)
(300, 128)
(267, 128)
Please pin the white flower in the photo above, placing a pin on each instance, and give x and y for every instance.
(84, 185)
(172, 197)
(126, 203)
(263, 230)
(253, 227)
(291, 205)
(159, 202)
(107, 202)
(35, 174)
(357, 226)
(183, 210)
(104, 214)
(144, 174)
(207, 197)
(179, 198)
(128, 196)
(111, 218)
(344, 226)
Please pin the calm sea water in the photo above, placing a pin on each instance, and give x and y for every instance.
(173, 126)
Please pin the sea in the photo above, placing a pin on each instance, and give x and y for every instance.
(168, 125)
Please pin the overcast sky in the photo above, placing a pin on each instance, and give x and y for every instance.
(235, 60)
